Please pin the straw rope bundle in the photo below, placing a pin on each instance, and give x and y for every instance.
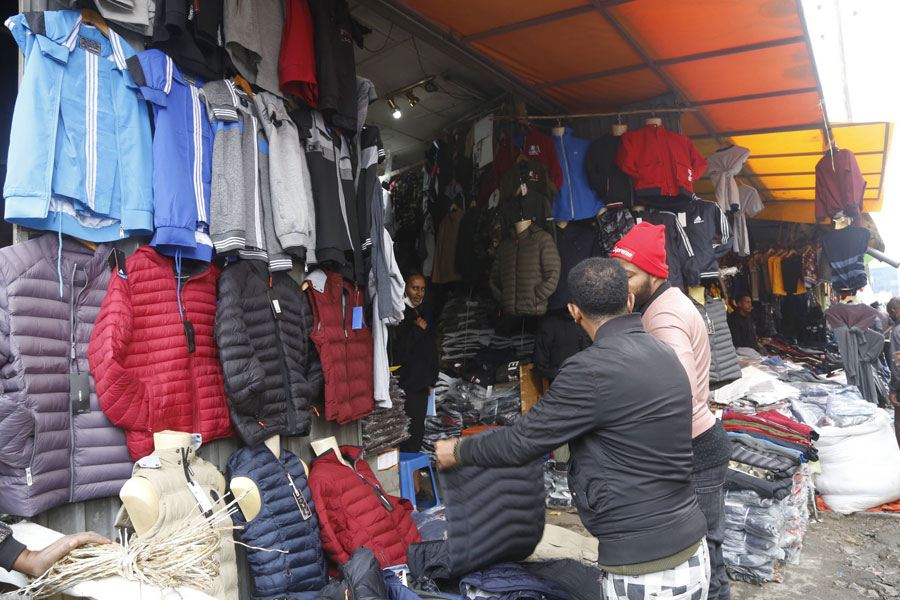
(189, 557)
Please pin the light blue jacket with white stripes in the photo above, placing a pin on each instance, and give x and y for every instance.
(80, 157)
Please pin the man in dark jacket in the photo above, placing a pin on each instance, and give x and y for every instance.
(743, 331)
(630, 439)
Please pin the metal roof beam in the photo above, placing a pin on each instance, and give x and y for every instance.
(422, 28)
(798, 154)
(557, 16)
(762, 96)
(678, 60)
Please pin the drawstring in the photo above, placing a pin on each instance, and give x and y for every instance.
(59, 256)
(178, 281)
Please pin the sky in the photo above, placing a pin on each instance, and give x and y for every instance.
(871, 53)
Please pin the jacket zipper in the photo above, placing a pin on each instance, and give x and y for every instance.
(291, 416)
(568, 175)
(346, 341)
(196, 412)
(73, 357)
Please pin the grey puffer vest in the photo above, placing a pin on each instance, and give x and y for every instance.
(52, 451)
(724, 365)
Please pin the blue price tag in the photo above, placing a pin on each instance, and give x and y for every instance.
(430, 410)
(357, 317)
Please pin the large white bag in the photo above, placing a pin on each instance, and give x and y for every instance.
(860, 465)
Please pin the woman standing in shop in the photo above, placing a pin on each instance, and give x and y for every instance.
(414, 356)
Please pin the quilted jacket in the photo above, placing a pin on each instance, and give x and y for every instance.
(525, 273)
(280, 525)
(351, 513)
(48, 455)
(148, 378)
(660, 162)
(271, 368)
(346, 351)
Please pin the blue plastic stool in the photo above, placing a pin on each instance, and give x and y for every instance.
(410, 462)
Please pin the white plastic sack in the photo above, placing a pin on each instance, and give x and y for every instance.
(859, 465)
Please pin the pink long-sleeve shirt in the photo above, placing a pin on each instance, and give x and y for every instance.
(672, 318)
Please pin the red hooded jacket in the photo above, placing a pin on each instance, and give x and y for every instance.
(147, 380)
(351, 514)
(660, 162)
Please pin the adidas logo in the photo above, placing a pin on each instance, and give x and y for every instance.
(699, 219)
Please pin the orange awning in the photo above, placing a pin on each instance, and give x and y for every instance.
(745, 66)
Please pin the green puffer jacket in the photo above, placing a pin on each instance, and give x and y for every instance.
(525, 272)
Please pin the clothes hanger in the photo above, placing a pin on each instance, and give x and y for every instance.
(243, 84)
(91, 245)
(92, 17)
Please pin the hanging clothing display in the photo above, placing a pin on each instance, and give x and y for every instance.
(574, 242)
(536, 146)
(57, 446)
(241, 200)
(846, 252)
(153, 352)
(191, 34)
(749, 205)
(253, 32)
(99, 190)
(684, 269)
(576, 199)
(525, 273)
(135, 15)
(176, 475)
(724, 365)
(860, 338)
(613, 224)
(181, 181)
(270, 368)
(344, 343)
(354, 511)
(335, 32)
(445, 248)
(723, 165)
(297, 56)
(660, 162)
(609, 182)
(287, 523)
(840, 186)
(709, 235)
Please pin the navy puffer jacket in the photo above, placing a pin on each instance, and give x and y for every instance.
(279, 525)
(270, 367)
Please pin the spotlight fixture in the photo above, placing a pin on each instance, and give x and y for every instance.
(394, 110)
(413, 99)
(430, 86)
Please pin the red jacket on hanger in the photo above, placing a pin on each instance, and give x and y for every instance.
(660, 162)
(839, 186)
(533, 144)
(155, 367)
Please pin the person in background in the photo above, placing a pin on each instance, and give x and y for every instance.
(630, 440)
(893, 309)
(14, 556)
(413, 351)
(743, 330)
(670, 316)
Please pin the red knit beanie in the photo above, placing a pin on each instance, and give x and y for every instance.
(644, 247)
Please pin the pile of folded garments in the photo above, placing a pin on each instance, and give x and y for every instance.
(767, 492)
(464, 328)
(498, 404)
(454, 411)
(556, 484)
(386, 427)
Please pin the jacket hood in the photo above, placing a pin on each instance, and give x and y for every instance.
(74, 253)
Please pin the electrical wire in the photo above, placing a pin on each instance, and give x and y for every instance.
(387, 39)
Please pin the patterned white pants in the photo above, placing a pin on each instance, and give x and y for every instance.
(687, 581)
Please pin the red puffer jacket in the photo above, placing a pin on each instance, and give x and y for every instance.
(345, 351)
(660, 162)
(351, 514)
(147, 378)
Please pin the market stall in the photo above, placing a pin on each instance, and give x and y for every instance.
(266, 257)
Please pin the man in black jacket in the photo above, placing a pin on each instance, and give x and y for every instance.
(624, 407)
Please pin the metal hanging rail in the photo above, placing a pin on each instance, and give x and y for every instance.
(643, 111)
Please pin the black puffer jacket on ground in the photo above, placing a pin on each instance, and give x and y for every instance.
(525, 273)
(270, 367)
(493, 515)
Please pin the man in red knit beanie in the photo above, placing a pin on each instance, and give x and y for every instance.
(670, 316)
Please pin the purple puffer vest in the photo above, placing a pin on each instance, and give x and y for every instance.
(48, 455)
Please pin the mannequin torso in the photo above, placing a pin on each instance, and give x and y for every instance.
(138, 494)
(246, 490)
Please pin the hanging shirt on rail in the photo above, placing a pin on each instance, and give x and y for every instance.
(80, 157)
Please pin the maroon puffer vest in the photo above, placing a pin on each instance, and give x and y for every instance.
(345, 352)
